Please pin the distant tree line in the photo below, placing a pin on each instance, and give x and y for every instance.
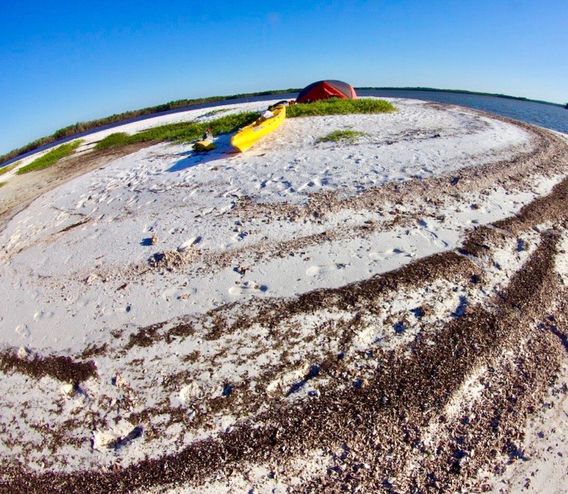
(459, 91)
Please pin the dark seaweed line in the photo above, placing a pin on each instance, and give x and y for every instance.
(60, 367)
(414, 388)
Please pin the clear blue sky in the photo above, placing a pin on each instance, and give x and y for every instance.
(63, 62)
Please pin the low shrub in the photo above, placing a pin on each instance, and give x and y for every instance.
(117, 139)
(342, 135)
(334, 106)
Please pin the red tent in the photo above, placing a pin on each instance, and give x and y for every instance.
(326, 89)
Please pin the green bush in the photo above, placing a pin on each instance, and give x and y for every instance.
(342, 135)
(191, 131)
(50, 158)
(117, 139)
(334, 106)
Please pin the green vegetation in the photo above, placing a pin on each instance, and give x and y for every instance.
(179, 132)
(2, 184)
(191, 131)
(335, 106)
(50, 158)
(6, 169)
(71, 130)
(117, 139)
(342, 135)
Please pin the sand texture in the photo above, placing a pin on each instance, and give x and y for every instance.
(384, 315)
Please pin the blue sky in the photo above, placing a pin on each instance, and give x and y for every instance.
(63, 62)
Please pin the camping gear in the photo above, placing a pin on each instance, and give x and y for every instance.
(204, 145)
(283, 102)
(326, 89)
(249, 135)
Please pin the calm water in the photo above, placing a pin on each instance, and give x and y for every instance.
(549, 116)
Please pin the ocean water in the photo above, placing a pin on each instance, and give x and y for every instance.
(549, 116)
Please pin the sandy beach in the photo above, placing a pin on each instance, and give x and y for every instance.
(387, 315)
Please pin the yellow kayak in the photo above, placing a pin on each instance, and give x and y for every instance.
(247, 136)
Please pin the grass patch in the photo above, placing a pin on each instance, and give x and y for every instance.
(334, 106)
(117, 139)
(6, 169)
(3, 183)
(192, 131)
(50, 158)
(342, 135)
(179, 132)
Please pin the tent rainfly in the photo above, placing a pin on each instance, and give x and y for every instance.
(326, 89)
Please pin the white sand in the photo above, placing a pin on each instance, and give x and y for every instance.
(138, 195)
(64, 290)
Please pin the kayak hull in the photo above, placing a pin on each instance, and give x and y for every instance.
(251, 134)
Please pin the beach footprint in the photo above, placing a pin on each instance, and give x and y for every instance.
(190, 242)
(386, 254)
(313, 270)
(23, 330)
(317, 271)
(240, 289)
